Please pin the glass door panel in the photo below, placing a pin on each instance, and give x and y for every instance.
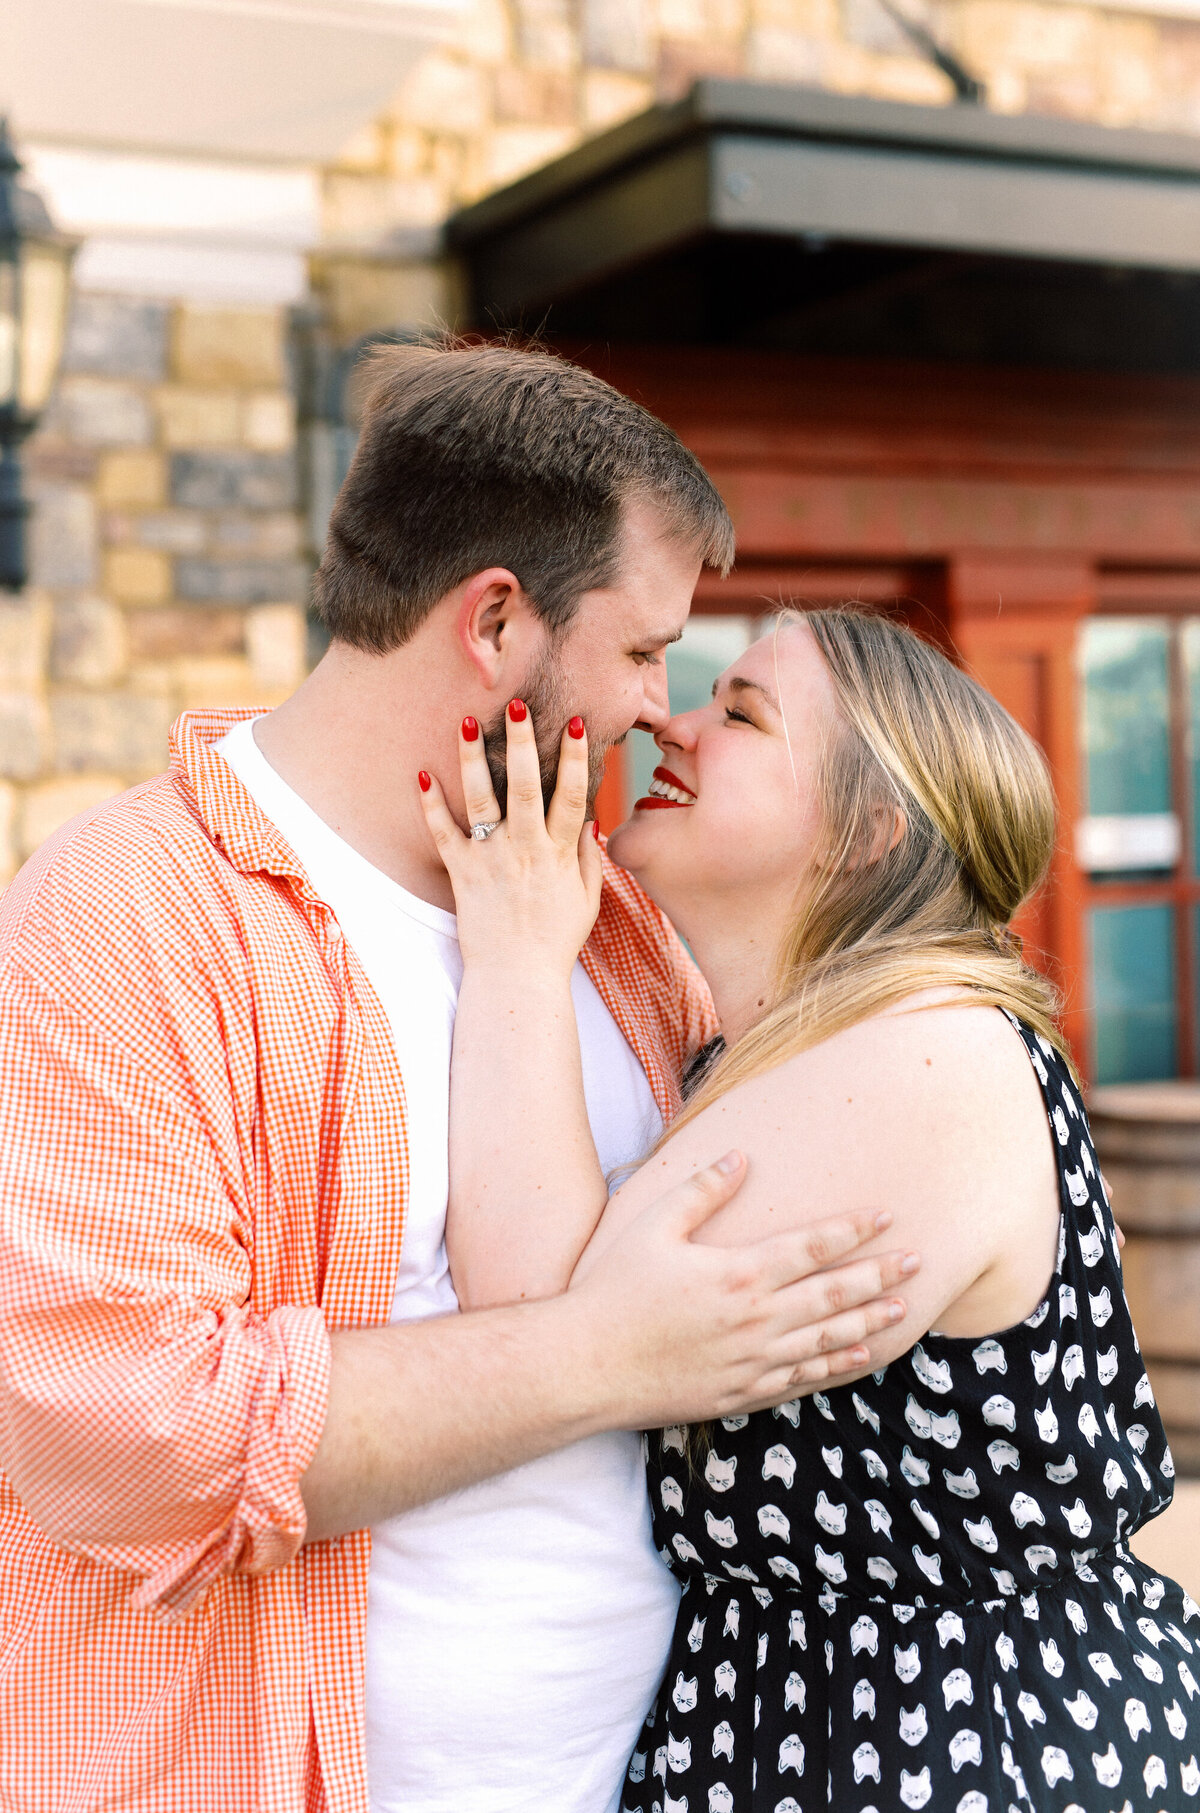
(1130, 827)
(1133, 993)
(1189, 642)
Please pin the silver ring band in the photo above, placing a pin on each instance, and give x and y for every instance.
(482, 832)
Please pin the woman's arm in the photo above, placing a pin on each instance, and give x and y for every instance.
(526, 1188)
(526, 1192)
(935, 1112)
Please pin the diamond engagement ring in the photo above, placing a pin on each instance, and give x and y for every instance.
(482, 832)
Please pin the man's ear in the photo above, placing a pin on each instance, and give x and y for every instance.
(493, 624)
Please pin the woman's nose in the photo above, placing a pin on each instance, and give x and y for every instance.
(681, 732)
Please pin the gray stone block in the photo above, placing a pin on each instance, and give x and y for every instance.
(241, 581)
(117, 337)
(616, 34)
(62, 536)
(88, 642)
(234, 480)
(99, 412)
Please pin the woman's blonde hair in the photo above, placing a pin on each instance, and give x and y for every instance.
(938, 819)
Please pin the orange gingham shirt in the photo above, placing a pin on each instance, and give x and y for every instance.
(203, 1169)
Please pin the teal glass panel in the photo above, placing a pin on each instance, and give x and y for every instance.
(1133, 993)
(1190, 645)
(1126, 744)
(707, 647)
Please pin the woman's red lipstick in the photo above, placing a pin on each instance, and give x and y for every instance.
(656, 802)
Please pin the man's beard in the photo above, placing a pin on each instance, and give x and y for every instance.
(545, 695)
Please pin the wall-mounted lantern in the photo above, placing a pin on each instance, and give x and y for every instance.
(35, 274)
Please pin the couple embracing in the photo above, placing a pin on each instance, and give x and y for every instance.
(376, 1165)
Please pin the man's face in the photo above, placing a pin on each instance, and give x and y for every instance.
(609, 663)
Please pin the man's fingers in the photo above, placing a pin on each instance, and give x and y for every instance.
(568, 808)
(526, 811)
(479, 797)
(837, 1309)
(806, 1250)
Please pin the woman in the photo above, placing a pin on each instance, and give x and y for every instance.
(912, 1590)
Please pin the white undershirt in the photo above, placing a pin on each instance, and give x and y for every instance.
(516, 1631)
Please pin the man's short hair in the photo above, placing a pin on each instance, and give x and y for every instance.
(475, 456)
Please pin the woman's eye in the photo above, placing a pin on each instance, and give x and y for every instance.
(733, 716)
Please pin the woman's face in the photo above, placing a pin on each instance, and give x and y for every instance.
(733, 816)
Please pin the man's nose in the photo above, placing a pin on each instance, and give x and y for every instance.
(656, 709)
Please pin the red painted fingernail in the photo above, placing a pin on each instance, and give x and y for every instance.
(424, 782)
(517, 711)
(470, 730)
(575, 728)
(596, 829)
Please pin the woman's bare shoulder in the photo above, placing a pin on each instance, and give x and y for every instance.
(907, 1109)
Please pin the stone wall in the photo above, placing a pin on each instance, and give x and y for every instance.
(527, 79)
(168, 538)
(167, 564)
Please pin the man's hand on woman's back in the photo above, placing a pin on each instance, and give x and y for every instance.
(657, 1328)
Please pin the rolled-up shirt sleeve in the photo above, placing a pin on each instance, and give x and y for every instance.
(157, 1408)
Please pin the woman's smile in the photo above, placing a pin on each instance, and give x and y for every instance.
(666, 789)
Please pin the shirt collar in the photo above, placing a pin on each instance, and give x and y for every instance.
(233, 819)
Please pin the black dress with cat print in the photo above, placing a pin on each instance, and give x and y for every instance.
(915, 1591)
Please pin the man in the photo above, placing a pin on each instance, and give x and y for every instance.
(226, 1351)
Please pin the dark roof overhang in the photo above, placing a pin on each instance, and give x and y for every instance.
(768, 215)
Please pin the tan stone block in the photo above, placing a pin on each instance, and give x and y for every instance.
(361, 210)
(911, 80)
(1024, 35)
(610, 96)
(728, 18)
(8, 832)
(1007, 91)
(228, 345)
(50, 805)
(684, 61)
(137, 575)
(198, 418)
(88, 645)
(784, 56)
(269, 421)
(208, 682)
(24, 735)
(408, 150)
(132, 480)
(364, 294)
(682, 19)
(365, 149)
(536, 97)
(181, 629)
(811, 18)
(548, 43)
(276, 642)
(513, 151)
(1129, 77)
(484, 32)
(442, 90)
(448, 159)
(152, 680)
(24, 638)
